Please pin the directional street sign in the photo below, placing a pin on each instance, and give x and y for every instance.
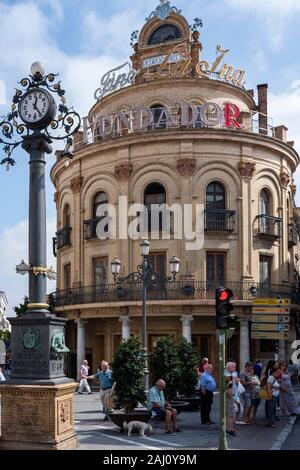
(270, 318)
(278, 302)
(271, 310)
(269, 335)
(270, 327)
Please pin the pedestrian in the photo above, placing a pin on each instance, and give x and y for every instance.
(202, 366)
(207, 387)
(232, 375)
(257, 366)
(246, 381)
(230, 406)
(157, 404)
(84, 372)
(104, 375)
(293, 370)
(255, 395)
(273, 390)
(266, 372)
(2, 378)
(287, 399)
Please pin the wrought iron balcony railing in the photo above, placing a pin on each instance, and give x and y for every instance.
(167, 290)
(269, 227)
(293, 235)
(63, 237)
(219, 220)
(90, 228)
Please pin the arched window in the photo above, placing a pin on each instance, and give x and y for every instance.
(99, 200)
(159, 117)
(265, 202)
(154, 193)
(67, 216)
(216, 219)
(215, 196)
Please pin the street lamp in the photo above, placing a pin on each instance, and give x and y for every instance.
(144, 274)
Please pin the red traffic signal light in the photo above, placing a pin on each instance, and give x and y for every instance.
(224, 320)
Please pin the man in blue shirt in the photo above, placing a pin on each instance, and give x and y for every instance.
(104, 375)
(157, 404)
(207, 385)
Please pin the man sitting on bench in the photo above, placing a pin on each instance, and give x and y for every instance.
(157, 404)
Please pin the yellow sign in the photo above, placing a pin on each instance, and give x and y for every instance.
(269, 335)
(270, 327)
(278, 302)
(271, 318)
(272, 310)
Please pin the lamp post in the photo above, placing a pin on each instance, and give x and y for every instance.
(38, 339)
(144, 274)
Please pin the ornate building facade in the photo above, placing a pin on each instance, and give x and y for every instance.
(187, 134)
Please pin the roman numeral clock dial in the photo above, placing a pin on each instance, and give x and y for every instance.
(37, 109)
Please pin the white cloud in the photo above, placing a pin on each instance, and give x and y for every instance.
(273, 13)
(14, 248)
(285, 109)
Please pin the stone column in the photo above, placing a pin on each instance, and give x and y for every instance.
(244, 341)
(77, 234)
(80, 344)
(125, 320)
(187, 326)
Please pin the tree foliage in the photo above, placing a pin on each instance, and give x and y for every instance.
(128, 366)
(188, 361)
(23, 307)
(165, 365)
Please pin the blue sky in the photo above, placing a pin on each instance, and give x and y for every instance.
(82, 40)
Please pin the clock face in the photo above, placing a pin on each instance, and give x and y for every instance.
(34, 106)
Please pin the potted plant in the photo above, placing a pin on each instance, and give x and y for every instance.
(165, 365)
(128, 374)
(188, 361)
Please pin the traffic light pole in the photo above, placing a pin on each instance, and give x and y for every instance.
(222, 352)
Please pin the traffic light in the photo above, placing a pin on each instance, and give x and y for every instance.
(223, 309)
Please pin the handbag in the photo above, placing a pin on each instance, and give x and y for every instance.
(241, 389)
(263, 394)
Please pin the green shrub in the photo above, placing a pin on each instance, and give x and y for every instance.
(188, 361)
(127, 369)
(164, 363)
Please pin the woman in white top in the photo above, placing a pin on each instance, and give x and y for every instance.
(273, 389)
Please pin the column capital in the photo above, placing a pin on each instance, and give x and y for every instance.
(125, 320)
(186, 166)
(76, 184)
(244, 320)
(247, 169)
(187, 319)
(80, 322)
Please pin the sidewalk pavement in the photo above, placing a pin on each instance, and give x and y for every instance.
(96, 434)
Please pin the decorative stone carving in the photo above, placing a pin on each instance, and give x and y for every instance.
(123, 171)
(284, 177)
(186, 166)
(294, 189)
(247, 169)
(56, 197)
(76, 184)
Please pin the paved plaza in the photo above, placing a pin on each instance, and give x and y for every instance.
(96, 434)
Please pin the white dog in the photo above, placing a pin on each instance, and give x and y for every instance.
(137, 426)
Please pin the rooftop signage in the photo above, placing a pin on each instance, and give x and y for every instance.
(182, 115)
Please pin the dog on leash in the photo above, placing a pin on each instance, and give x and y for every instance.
(142, 428)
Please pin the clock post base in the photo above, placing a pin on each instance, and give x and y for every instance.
(37, 417)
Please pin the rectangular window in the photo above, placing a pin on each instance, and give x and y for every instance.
(100, 271)
(215, 268)
(158, 262)
(265, 270)
(67, 276)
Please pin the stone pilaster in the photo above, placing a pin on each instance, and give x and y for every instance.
(244, 341)
(80, 344)
(125, 320)
(187, 326)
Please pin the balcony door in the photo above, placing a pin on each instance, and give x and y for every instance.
(215, 269)
(158, 262)
(100, 271)
(67, 276)
(215, 207)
